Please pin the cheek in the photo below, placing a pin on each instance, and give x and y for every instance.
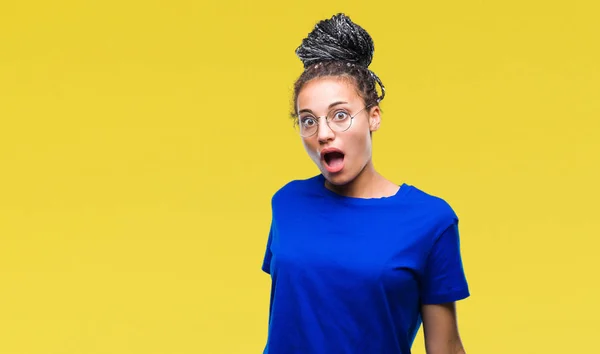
(361, 146)
(309, 146)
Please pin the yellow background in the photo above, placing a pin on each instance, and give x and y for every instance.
(141, 141)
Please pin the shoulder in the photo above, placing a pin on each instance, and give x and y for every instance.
(432, 207)
(294, 189)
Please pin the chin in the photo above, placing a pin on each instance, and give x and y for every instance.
(337, 179)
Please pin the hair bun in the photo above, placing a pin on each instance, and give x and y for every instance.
(337, 39)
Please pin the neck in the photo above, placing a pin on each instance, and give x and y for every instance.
(368, 184)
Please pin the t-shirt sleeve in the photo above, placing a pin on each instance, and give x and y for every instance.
(444, 277)
(266, 265)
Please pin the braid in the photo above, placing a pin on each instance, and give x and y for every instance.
(339, 47)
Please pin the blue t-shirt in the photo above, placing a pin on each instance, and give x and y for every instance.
(349, 274)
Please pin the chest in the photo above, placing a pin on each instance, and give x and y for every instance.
(352, 251)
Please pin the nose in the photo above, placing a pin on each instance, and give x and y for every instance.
(324, 132)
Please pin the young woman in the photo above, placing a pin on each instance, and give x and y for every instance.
(357, 262)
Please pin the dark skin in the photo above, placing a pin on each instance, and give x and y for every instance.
(440, 329)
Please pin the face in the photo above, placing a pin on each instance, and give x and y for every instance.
(340, 155)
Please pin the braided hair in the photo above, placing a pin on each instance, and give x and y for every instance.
(339, 47)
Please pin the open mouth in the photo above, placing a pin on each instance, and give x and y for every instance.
(334, 161)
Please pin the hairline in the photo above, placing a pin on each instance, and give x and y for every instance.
(349, 80)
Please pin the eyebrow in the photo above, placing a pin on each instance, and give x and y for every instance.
(330, 106)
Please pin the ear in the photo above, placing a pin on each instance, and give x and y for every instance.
(374, 118)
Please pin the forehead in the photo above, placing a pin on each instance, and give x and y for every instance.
(319, 93)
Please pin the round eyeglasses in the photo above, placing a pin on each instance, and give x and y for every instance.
(338, 119)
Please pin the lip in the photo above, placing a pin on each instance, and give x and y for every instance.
(328, 150)
(325, 165)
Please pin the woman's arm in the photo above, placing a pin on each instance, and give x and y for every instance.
(440, 329)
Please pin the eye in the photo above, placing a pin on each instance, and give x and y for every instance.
(308, 122)
(340, 115)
